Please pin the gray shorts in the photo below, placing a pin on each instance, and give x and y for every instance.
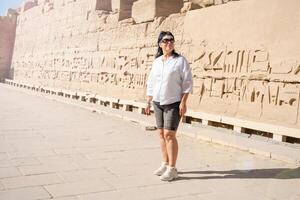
(167, 116)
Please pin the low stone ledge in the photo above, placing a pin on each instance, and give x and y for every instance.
(205, 116)
(281, 130)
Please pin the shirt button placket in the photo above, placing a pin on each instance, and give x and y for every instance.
(161, 82)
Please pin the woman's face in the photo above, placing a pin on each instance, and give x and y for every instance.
(167, 44)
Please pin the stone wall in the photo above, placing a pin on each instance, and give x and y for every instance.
(7, 38)
(244, 54)
(246, 65)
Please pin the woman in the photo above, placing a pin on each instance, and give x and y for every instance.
(168, 86)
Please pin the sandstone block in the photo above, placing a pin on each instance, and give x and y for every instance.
(42, 2)
(221, 1)
(28, 4)
(147, 10)
(125, 9)
(56, 3)
(69, 1)
(189, 6)
(103, 4)
(205, 3)
(7, 37)
(11, 12)
(48, 6)
(115, 5)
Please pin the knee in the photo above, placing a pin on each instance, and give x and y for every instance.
(161, 134)
(169, 135)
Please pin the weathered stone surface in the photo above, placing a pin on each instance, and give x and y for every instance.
(28, 5)
(7, 38)
(39, 2)
(204, 3)
(11, 13)
(122, 8)
(103, 5)
(242, 77)
(115, 4)
(143, 15)
(155, 8)
(125, 10)
(189, 6)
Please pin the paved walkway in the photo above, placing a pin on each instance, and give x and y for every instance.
(52, 150)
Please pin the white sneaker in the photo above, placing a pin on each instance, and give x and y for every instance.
(170, 174)
(161, 169)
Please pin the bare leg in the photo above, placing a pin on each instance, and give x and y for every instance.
(163, 146)
(172, 146)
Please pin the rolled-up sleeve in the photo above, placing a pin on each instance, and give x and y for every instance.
(187, 78)
(150, 83)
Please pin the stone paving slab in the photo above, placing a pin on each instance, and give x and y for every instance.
(162, 191)
(6, 172)
(28, 181)
(85, 154)
(47, 168)
(25, 194)
(1, 186)
(100, 173)
(77, 188)
(66, 198)
(30, 153)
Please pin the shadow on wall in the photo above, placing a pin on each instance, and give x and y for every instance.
(275, 173)
(11, 73)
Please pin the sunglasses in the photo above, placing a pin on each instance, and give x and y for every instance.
(167, 40)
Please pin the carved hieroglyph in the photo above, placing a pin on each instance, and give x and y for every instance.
(244, 54)
(246, 66)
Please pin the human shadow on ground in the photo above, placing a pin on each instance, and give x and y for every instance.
(275, 173)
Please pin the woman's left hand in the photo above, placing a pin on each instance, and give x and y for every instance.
(182, 109)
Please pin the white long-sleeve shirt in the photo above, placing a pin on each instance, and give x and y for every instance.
(169, 79)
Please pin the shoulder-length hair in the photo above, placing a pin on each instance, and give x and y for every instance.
(160, 37)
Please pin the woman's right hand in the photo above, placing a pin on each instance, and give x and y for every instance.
(147, 109)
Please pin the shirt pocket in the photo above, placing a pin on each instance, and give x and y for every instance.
(176, 68)
(176, 71)
(157, 75)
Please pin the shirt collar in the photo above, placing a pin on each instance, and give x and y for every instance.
(170, 58)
